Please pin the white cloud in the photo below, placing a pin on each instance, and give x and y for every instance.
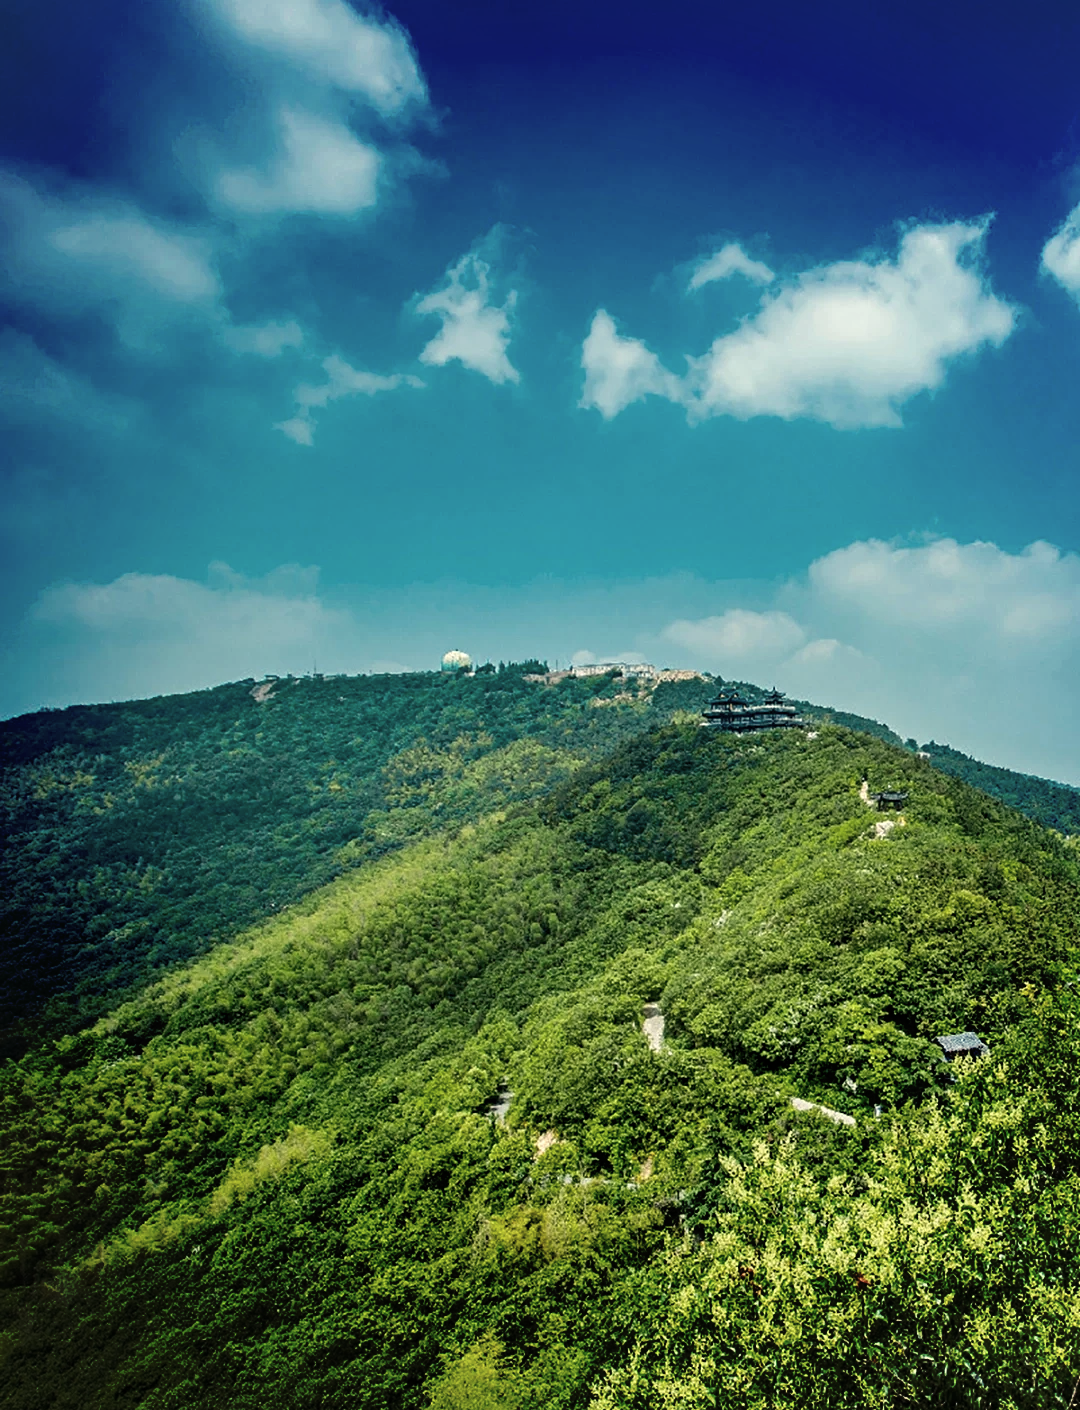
(333, 44)
(319, 167)
(619, 371)
(768, 647)
(78, 251)
(966, 643)
(823, 651)
(305, 67)
(145, 634)
(1061, 254)
(771, 646)
(739, 636)
(846, 343)
(1010, 603)
(475, 331)
(849, 343)
(267, 340)
(300, 429)
(731, 259)
(341, 381)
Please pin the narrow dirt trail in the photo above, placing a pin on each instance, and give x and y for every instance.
(652, 1025)
(839, 1117)
(500, 1104)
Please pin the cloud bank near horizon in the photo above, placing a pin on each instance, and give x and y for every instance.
(935, 639)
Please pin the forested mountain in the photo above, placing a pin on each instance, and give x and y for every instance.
(1054, 805)
(137, 835)
(407, 1143)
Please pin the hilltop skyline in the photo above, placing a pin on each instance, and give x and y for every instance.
(747, 345)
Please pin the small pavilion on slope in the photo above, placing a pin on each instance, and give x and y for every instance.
(730, 712)
(955, 1045)
(889, 799)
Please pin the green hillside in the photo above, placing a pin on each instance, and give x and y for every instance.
(277, 1175)
(1054, 805)
(135, 836)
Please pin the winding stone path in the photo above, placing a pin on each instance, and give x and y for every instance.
(841, 1118)
(652, 1025)
(500, 1104)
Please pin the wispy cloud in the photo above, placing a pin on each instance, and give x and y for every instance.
(341, 381)
(125, 246)
(267, 340)
(333, 45)
(35, 388)
(729, 260)
(311, 69)
(317, 167)
(475, 330)
(846, 343)
(314, 83)
(73, 250)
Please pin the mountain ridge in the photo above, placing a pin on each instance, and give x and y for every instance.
(138, 833)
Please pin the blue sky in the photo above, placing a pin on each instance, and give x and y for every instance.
(744, 343)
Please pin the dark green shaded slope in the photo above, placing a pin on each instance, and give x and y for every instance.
(132, 836)
(1052, 804)
(272, 1177)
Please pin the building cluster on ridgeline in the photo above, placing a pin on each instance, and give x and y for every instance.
(729, 711)
(627, 670)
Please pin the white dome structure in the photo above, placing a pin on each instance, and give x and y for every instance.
(457, 661)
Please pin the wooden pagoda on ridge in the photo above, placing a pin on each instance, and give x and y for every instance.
(730, 712)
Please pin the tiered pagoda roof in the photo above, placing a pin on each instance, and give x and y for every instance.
(729, 711)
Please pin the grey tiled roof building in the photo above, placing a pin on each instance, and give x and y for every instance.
(955, 1045)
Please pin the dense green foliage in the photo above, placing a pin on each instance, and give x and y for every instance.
(1054, 805)
(818, 714)
(137, 835)
(273, 1175)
